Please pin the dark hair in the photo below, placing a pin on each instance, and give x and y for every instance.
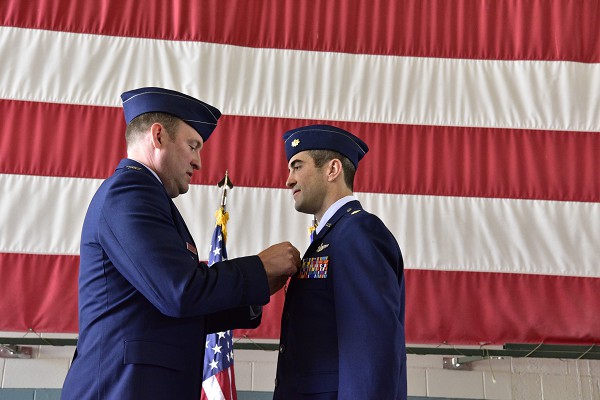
(143, 122)
(320, 157)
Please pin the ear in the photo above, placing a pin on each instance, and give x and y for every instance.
(334, 169)
(157, 135)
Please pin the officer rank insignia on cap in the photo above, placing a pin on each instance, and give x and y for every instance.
(324, 137)
(314, 268)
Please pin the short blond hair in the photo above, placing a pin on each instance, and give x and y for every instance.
(143, 122)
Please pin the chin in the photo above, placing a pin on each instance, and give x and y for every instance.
(177, 191)
(301, 209)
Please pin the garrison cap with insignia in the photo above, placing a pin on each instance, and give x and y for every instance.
(199, 115)
(324, 137)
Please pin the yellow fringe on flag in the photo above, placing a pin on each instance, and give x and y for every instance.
(222, 217)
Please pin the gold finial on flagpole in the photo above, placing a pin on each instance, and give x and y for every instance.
(225, 183)
(222, 216)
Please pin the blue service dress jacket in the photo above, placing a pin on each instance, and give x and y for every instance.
(342, 327)
(146, 302)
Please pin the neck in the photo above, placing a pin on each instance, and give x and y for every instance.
(330, 199)
(141, 156)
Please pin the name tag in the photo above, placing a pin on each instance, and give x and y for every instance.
(191, 248)
(314, 268)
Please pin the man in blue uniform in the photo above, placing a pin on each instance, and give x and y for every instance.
(342, 328)
(146, 302)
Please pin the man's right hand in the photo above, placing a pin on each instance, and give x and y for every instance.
(280, 261)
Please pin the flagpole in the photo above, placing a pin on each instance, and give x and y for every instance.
(225, 183)
(218, 380)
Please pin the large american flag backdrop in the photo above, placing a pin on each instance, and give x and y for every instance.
(483, 119)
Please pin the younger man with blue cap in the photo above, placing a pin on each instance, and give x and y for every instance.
(342, 328)
(146, 302)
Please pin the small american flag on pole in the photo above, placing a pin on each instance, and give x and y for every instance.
(218, 380)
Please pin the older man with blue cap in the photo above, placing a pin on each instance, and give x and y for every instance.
(342, 327)
(146, 301)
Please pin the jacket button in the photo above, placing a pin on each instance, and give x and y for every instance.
(281, 348)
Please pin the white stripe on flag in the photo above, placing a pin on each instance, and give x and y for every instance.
(436, 232)
(290, 84)
(212, 389)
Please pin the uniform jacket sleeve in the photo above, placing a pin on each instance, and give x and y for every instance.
(145, 237)
(369, 313)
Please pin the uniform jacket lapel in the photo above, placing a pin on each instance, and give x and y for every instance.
(182, 228)
(346, 208)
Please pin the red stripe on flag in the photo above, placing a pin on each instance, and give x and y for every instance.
(406, 159)
(62, 139)
(490, 29)
(501, 308)
(39, 292)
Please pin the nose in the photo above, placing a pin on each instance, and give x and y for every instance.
(197, 162)
(290, 182)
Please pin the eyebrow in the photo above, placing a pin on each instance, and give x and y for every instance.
(196, 142)
(295, 163)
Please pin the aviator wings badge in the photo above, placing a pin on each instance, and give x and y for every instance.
(322, 247)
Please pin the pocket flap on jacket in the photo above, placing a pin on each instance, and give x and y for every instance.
(153, 353)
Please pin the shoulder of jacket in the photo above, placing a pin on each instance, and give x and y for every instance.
(353, 213)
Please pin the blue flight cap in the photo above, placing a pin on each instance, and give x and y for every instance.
(324, 137)
(199, 115)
